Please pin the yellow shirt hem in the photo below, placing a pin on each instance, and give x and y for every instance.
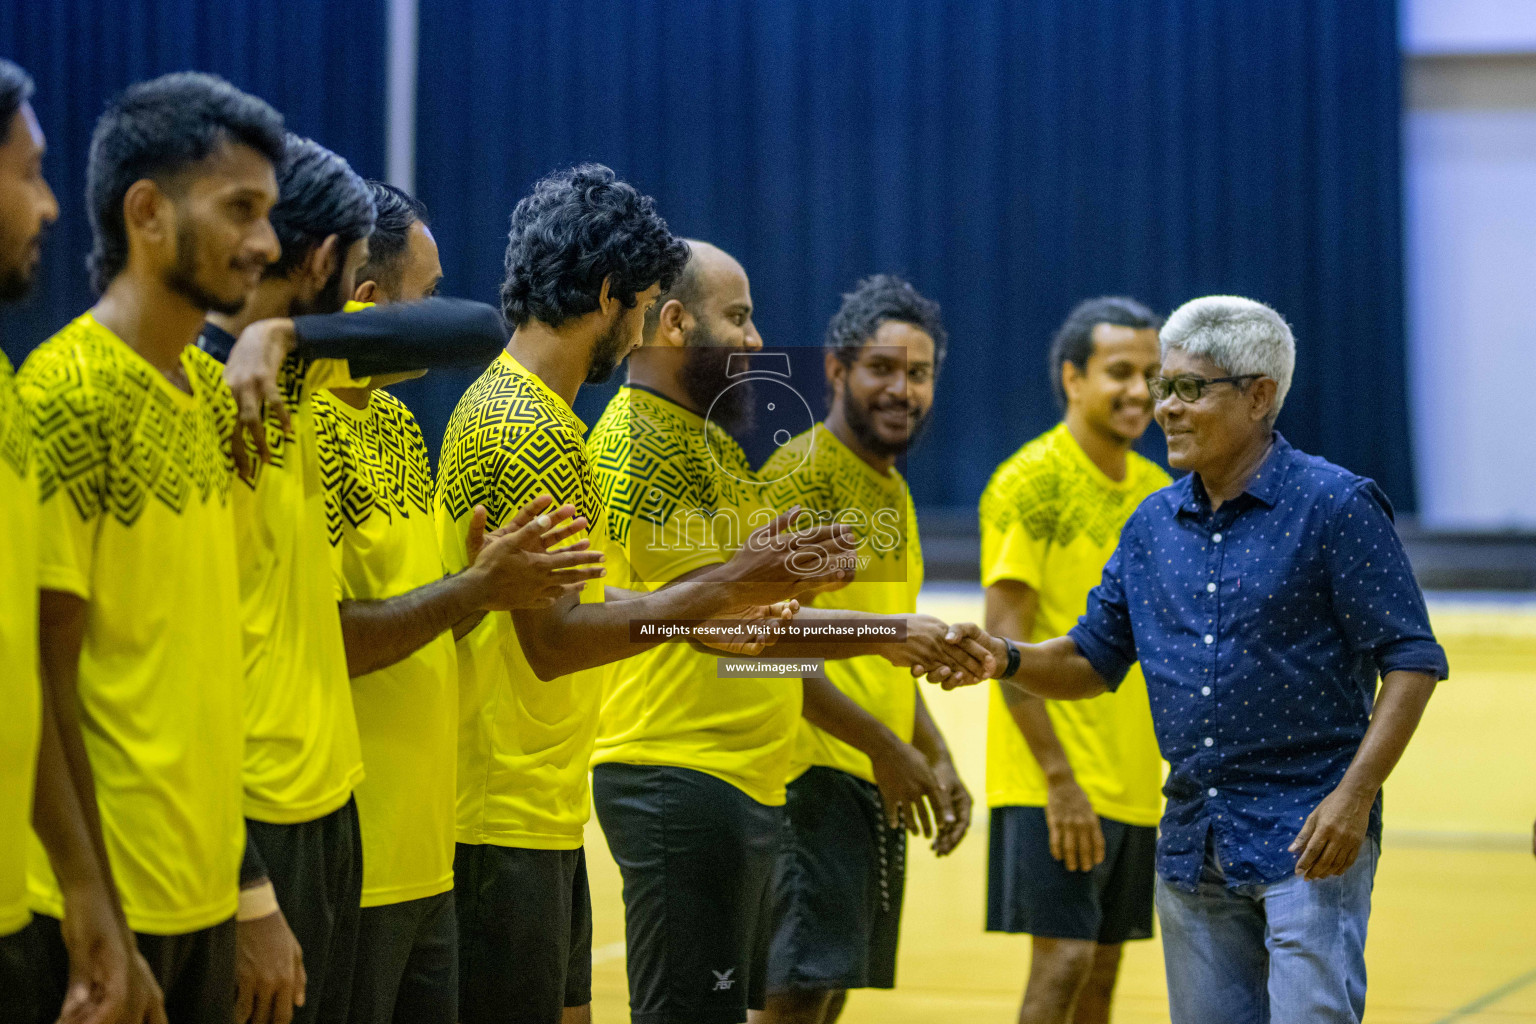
(272, 813)
(179, 922)
(385, 896)
(766, 797)
(868, 775)
(520, 840)
(13, 919)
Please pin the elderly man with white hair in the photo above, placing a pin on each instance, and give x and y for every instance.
(1264, 595)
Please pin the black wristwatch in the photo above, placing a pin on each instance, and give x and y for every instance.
(1013, 659)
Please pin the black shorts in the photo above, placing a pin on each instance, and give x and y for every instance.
(316, 868)
(697, 855)
(196, 971)
(407, 963)
(1030, 891)
(837, 889)
(22, 992)
(525, 933)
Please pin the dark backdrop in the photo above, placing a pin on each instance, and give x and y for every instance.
(1010, 156)
(318, 61)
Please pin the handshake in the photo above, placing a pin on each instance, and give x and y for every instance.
(780, 566)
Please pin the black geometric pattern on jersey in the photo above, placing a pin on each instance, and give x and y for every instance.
(650, 459)
(110, 436)
(1042, 488)
(15, 430)
(508, 441)
(376, 463)
(834, 482)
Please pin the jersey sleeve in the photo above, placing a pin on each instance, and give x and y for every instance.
(67, 416)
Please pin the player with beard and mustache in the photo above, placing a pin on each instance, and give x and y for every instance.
(302, 879)
(35, 786)
(140, 603)
(868, 760)
(690, 767)
(587, 255)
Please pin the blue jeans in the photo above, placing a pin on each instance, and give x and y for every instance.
(1292, 952)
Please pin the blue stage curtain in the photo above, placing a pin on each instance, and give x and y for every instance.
(1010, 156)
(319, 62)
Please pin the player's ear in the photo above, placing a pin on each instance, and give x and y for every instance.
(606, 303)
(317, 268)
(1071, 379)
(366, 291)
(837, 372)
(148, 212)
(672, 325)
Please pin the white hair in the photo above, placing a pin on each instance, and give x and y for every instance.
(1239, 335)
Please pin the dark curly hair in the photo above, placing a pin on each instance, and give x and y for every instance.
(1073, 342)
(877, 300)
(578, 227)
(15, 89)
(319, 194)
(156, 130)
(397, 211)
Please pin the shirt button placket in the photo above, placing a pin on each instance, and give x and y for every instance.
(1213, 592)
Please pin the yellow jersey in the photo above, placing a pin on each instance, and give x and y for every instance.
(680, 496)
(821, 474)
(135, 482)
(523, 742)
(1050, 519)
(378, 514)
(19, 685)
(302, 755)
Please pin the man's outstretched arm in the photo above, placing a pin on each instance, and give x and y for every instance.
(572, 636)
(513, 567)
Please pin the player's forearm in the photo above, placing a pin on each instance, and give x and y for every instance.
(378, 634)
(56, 815)
(926, 736)
(61, 636)
(1030, 716)
(834, 712)
(1399, 707)
(572, 637)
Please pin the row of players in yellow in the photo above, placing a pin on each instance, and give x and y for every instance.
(235, 647)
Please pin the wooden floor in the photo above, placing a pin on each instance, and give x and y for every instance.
(1453, 932)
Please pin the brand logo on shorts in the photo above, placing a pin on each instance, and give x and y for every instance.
(723, 980)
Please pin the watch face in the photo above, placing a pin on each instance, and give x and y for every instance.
(777, 414)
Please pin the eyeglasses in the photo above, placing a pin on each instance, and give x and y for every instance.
(1189, 389)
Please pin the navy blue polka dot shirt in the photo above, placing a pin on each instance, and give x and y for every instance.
(1261, 628)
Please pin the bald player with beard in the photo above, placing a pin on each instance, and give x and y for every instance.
(690, 767)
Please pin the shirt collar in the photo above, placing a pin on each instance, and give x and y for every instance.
(1264, 486)
(216, 341)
